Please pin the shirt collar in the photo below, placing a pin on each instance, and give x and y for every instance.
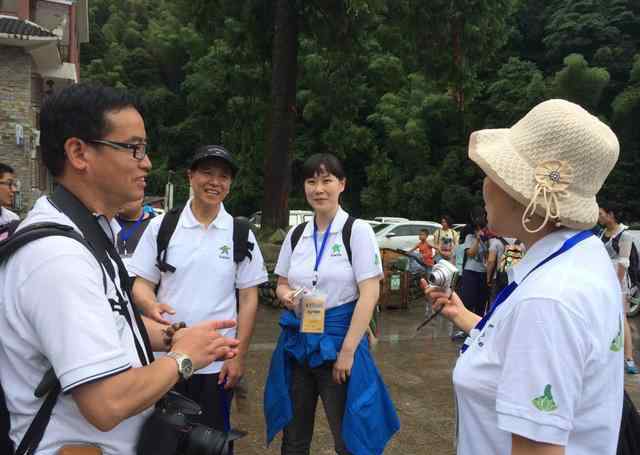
(189, 221)
(538, 252)
(336, 225)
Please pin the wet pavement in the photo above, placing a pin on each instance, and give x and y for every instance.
(416, 368)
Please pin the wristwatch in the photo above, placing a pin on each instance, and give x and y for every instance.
(185, 366)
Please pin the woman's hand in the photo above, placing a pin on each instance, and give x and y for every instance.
(287, 299)
(450, 303)
(342, 367)
(450, 306)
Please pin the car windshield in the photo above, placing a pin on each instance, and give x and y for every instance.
(379, 227)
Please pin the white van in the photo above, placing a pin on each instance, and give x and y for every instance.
(295, 217)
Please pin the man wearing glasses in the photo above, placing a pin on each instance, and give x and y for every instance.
(70, 309)
(8, 188)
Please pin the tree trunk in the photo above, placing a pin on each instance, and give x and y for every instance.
(277, 165)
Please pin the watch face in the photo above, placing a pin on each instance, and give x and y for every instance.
(186, 367)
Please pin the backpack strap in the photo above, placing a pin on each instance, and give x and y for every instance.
(615, 241)
(49, 384)
(242, 247)
(504, 242)
(167, 228)
(296, 234)
(346, 236)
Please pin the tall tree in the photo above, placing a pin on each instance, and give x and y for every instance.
(282, 115)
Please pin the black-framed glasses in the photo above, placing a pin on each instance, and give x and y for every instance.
(139, 149)
(10, 184)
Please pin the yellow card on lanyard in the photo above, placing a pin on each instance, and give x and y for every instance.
(313, 309)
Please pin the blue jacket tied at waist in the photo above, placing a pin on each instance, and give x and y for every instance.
(370, 418)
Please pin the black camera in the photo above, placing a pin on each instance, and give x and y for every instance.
(171, 430)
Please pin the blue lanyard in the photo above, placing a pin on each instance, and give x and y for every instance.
(315, 244)
(506, 292)
(125, 234)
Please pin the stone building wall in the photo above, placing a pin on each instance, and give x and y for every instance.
(18, 108)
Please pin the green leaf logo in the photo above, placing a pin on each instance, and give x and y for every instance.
(336, 250)
(224, 250)
(545, 402)
(376, 259)
(616, 343)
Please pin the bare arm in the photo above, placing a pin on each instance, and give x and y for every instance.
(285, 293)
(144, 297)
(524, 446)
(369, 292)
(107, 402)
(233, 369)
(473, 250)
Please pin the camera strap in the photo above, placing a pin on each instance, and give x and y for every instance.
(506, 292)
(104, 250)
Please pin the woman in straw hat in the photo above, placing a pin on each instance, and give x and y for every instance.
(542, 372)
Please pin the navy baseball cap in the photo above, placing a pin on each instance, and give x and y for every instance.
(214, 151)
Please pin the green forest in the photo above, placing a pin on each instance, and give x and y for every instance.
(392, 87)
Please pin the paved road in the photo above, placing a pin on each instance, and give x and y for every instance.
(417, 370)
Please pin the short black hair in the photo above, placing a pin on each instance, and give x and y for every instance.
(320, 163)
(78, 111)
(6, 169)
(612, 210)
(424, 231)
(447, 218)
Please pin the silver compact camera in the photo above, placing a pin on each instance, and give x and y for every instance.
(444, 275)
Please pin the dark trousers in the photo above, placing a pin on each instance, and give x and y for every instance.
(306, 385)
(214, 401)
(474, 292)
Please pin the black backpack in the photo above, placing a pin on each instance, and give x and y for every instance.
(8, 228)
(242, 248)
(346, 235)
(634, 260)
(100, 247)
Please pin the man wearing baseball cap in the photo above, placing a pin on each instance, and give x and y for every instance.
(198, 275)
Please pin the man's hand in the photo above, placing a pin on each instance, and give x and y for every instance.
(156, 310)
(232, 371)
(342, 367)
(204, 345)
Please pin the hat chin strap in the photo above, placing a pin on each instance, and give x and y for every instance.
(552, 208)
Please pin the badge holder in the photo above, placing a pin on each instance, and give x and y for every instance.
(313, 310)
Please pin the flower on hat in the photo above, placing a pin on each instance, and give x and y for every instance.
(552, 177)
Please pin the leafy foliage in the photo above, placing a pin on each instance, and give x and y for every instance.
(392, 88)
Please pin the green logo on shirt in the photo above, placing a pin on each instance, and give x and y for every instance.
(545, 402)
(224, 251)
(376, 259)
(616, 343)
(336, 250)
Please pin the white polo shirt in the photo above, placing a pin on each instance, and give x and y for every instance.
(6, 216)
(54, 312)
(548, 365)
(337, 278)
(203, 286)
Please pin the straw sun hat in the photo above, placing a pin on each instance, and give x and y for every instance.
(553, 161)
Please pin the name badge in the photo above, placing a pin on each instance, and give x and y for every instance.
(313, 309)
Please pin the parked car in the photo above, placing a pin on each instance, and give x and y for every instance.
(295, 217)
(404, 235)
(390, 219)
(372, 223)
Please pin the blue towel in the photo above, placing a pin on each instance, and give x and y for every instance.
(370, 418)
